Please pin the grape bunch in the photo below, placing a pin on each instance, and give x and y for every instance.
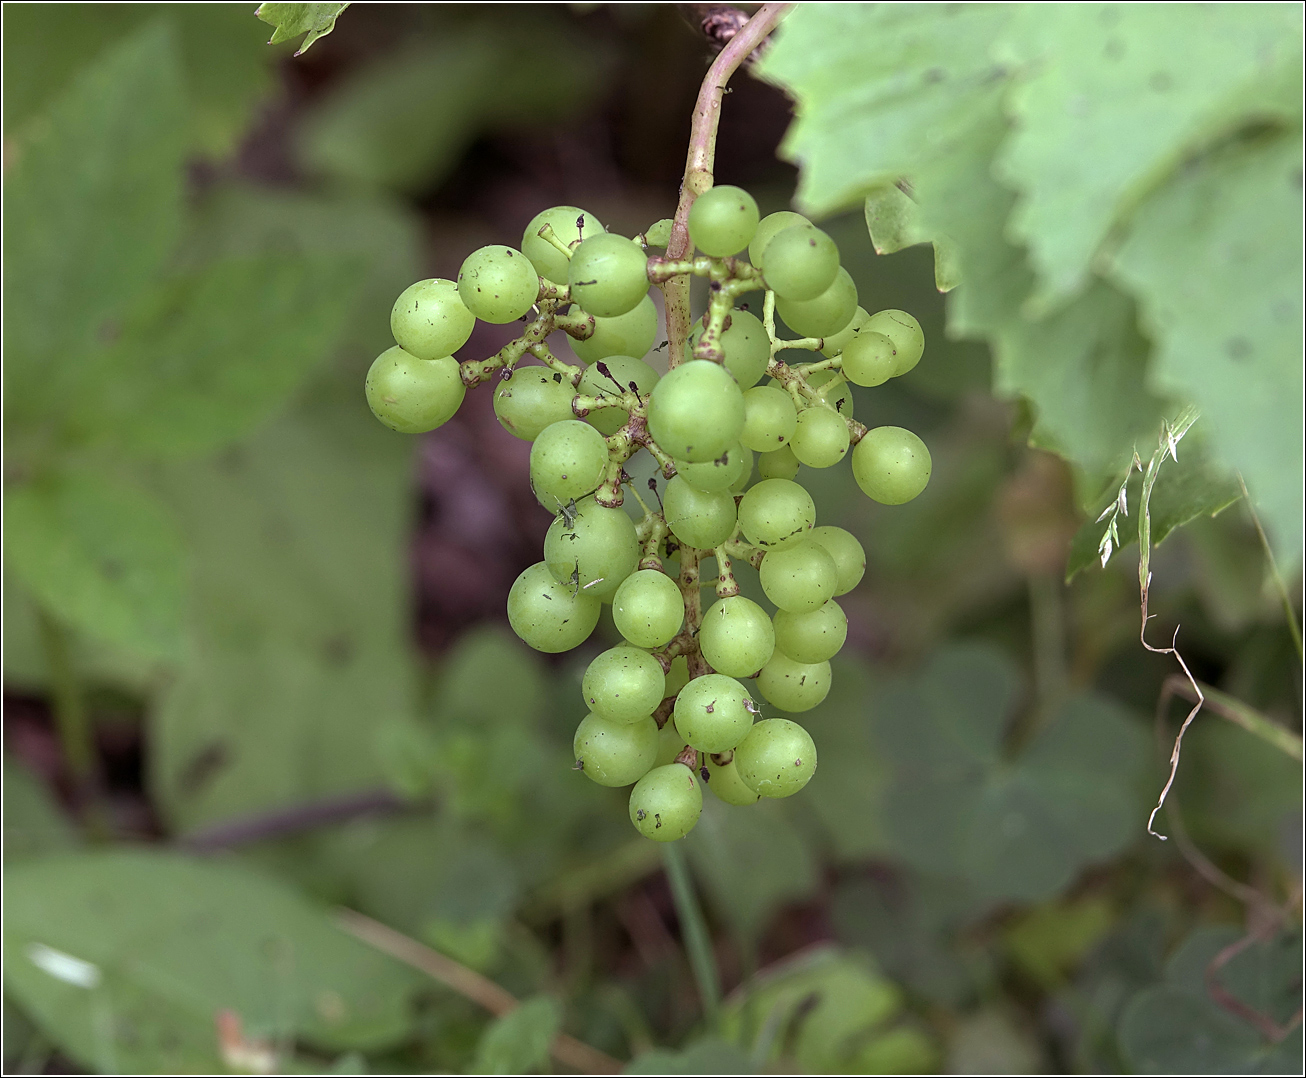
(669, 710)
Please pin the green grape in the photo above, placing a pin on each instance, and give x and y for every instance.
(776, 513)
(891, 465)
(677, 676)
(746, 346)
(696, 411)
(623, 684)
(847, 552)
(770, 416)
(767, 228)
(570, 224)
(648, 608)
(549, 616)
(568, 460)
(623, 371)
(714, 476)
(837, 342)
(532, 399)
(413, 395)
(777, 758)
(736, 637)
(869, 359)
(794, 686)
(593, 548)
(799, 577)
(724, 781)
(812, 636)
(722, 220)
(778, 464)
(800, 263)
(906, 334)
(698, 518)
(430, 320)
(821, 437)
(608, 275)
(666, 803)
(745, 472)
(713, 713)
(629, 334)
(498, 284)
(825, 315)
(670, 744)
(615, 753)
(833, 389)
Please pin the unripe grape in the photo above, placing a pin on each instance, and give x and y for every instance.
(623, 370)
(569, 224)
(770, 417)
(666, 803)
(593, 548)
(722, 220)
(870, 359)
(698, 518)
(767, 229)
(736, 636)
(615, 753)
(891, 465)
(532, 399)
(777, 758)
(905, 333)
(549, 616)
(776, 513)
(623, 684)
(826, 314)
(629, 334)
(713, 476)
(746, 346)
(498, 284)
(696, 411)
(794, 686)
(568, 460)
(799, 577)
(745, 472)
(413, 395)
(812, 636)
(779, 464)
(837, 342)
(847, 553)
(670, 744)
(800, 263)
(832, 388)
(677, 676)
(429, 319)
(648, 608)
(608, 275)
(713, 713)
(820, 438)
(724, 781)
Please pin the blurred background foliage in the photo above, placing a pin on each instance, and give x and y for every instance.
(256, 664)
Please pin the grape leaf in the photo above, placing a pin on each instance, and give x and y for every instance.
(894, 223)
(291, 20)
(519, 1041)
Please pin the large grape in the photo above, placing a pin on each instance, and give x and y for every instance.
(629, 334)
(723, 220)
(724, 781)
(905, 333)
(592, 547)
(800, 263)
(532, 399)
(615, 753)
(825, 314)
(430, 320)
(608, 275)
(648, 608)
(724, 473)
(820, 437)
(666, 803)
(794, 686)
(745, 344)
(847, 552)
(812, 636)
(870, 358)
(696, 411)
(569, 224)
(698, 518)
(891, 465)
(622, 371)
(713, 713)
(413, 395)
(777, 758)
(568, 460)
(549, 616)
(770, 417)
(624, 684)
(800, 577)
(767, 229)
(776, 513)
(498, 284)
(736, 636)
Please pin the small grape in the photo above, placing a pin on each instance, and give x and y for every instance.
(767, 228)
(723, 220)
(827, 313)
(770, 417)
(713, 476)
(413, 395)
(593, 548)
(778, 464)
(794, 686)
(837, 342)
(498, 284)
(615, 753)
(847, 553)
(891, 465)
(777, 758)
(532, 399)
(776, 513)
(569, 224)
(713, 713)
(623, 684)
(736, 636)
(746, 346)
(812, 636)
(800, 263)
(623, 371)
(629, 334)
(430, 320)
(677, 676)
(648, 608)
(670, 744)
(870, 359)
(821, 438)
(568, 460)
(745, 472)
(549, 616)
(800, 577)
(724, 781)
(698, 518)
(608, 275)
(696, 411)
(666, 803)
(905, 333)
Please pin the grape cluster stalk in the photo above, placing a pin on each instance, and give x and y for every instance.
(669, 710)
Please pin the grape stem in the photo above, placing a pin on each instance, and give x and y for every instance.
(726, 584)
(547, 234)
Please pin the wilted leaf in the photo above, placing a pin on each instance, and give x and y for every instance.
(519, 1041)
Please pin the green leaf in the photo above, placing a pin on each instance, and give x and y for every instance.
(519, 1041)
(34, 823)
(894, 223)
(172, 941)
(710, 1055)
(1215, 258)
(103, 556)
(291, 20)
